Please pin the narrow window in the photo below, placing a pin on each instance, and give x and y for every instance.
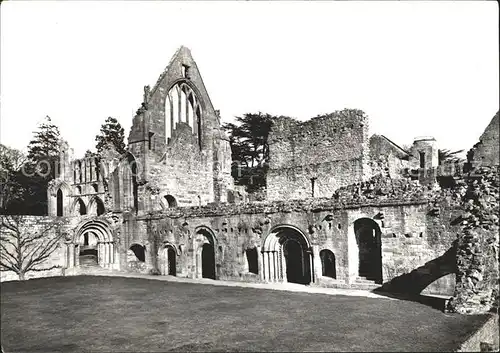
(150, 141)
(59, 203)
(313, 180)
(422, 159)
(185, 71)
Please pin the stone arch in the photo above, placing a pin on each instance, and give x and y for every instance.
(287, 256)
(104, 245)
(139, 251)
(183, 103)
(369, 245)
(328, 264)
(206, 252)
(79, 207)
(58, 199)
(130, 173)
(168, 201)
(168, 259)
(96, 206)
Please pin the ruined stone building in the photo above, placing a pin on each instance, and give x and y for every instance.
(169, 205)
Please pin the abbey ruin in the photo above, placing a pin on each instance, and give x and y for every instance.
(343, 209)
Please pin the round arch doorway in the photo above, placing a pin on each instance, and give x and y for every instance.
(287, 256)
(205, 253)
(94, 241)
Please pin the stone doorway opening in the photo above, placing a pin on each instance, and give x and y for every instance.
(287, 256)
(171, 261)
(368, 239)
(208, 261)
(205, 250)
(88, 254)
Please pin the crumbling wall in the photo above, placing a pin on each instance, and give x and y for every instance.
(477, 287)
(192, 164)
(323, 154)
(387, 158)
(487, 151)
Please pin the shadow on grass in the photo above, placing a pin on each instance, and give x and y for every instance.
(409, 286)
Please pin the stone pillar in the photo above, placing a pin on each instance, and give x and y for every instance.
(261, 264)
(311, 265)
(265, 266)
(283, 267)
(318, 267)
(99, 253)
(76, 255)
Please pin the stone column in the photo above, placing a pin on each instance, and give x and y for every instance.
(76, 255)
(99, 253)
(318, 268)
(311, 265)
(265, 266)
(260, 263)
(283, 267)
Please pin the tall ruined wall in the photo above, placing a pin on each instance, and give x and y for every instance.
(487, 151)
(386, 158)
(323, 154)
(478, 256)
(179, 155)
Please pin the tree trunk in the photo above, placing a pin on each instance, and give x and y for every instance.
(21, 276)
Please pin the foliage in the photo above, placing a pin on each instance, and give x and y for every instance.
(43, 149)
(250, 149)
(448, 156)
(111, 131)
(11, 190)
(25, 179)
(25, 249)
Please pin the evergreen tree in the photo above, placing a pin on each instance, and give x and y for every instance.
(11, 189)
(41, 166)
(250, 150)
(111, 132)
(43, 149)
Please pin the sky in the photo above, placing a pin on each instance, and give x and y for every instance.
(415, 68)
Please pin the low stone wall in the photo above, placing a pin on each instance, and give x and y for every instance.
(486, 339)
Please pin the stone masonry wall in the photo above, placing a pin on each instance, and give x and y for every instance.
(193, 170)
(28, 225)
(333, 149)
(487, 151)
(409, 238)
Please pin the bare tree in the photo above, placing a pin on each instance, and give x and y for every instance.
(24, 248)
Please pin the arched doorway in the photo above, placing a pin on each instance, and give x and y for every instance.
(92, 245)
(368, 239)
(287, 256)
(208, 261)
(205, 253)
(88, 254)
(328, 263)
(171, 261)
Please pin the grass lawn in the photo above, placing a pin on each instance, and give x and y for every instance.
(113, 314)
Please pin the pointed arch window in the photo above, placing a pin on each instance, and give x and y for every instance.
(182, 106)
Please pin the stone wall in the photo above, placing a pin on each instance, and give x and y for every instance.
(387, 158)
(28, 226)
(487, 151)
(323, 154)
(477, 287)
(189, 160)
